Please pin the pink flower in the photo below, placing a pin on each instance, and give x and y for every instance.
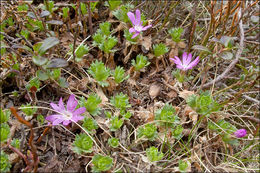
(186, 62)
(66, 116)
(137, 23)
(240, 133)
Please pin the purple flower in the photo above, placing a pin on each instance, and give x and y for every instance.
(240, 133)
(137, 23)
(66, 116)
(186, 62)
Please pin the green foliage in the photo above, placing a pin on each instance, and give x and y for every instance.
(176, 34)
(82, 144)
(65, 12)
(4, 115)
(119, 74)
(141, 62)
(101, 163)
(115, 123)
(183, 166)
(160, 49)
(167, 116)
(15, 143)
(114, 4)
(80, 52)
(25, 33)
(89, 124)
(34, 25)
(120, 101)
(92, 104)
(33, 82)
(121, 13)
(5, 164)
(113, 142)
(126, 115)
(23, 7)
(109, 44)
(105, 28)
(153, 154)
(99, 72)
(177, 132)
(149, 131)
(83, 8)
(203, 104)
(129, 38)
(225, 129)
(103, 39)
(28, 110)
(4, 132)
(108, 114)
(40, 119)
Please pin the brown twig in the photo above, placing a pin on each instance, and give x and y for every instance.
(90, 19)
(233, 63)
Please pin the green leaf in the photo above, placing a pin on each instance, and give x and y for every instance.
(81, 51)
(183, 166)
(129, 38)
(201, 48)
(57, 63)
(120, 101)
(115, 123)
(119, 75)
(5, 164)
(149, 131)
(176, 34)
(33, 82)
(113, 142)
(28, 110)
(114, 4)
(105, 28)
(55, 73)
(167, 116)
(89, 124)
(4, 115)
(160, 49)
(109, 44)
(82, 144)
(42, 75)
(226, 55)
(47, 44)
(65, 12)
(141, 62)
(92, 104)
(101, 163)
(153, 154)
(83, 8)
(99, 72)
(39, 60)
(63, 83)
(4, 132)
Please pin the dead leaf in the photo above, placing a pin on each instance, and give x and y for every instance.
(101, 94)
(193, 116)
(173, 53)
(146, 42)
(154, 90)
(185, 94)
(172, 94)
(13, 157)
(181, 45)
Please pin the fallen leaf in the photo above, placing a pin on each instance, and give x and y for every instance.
(173, 53)
(172, 94)
(147, 42)
(185, 94)
(181, 45)
(101, 94)
(154, 90)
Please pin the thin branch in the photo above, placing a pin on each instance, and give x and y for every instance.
(233, 63)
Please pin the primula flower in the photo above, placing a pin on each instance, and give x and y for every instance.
(186, 62)
(240, 133)
(66, 116)
(137, 23)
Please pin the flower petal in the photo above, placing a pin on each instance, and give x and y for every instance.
(61, 105)
(189, 57)
(55, 107)
(57, 122)
(136, 34)
(193, 63)
(138, 16)
(181, 67)
(66, 122)
(79, 111)
(184, 59)
(177, 60)
(146, 27)
(132, 17)
(72, 103)
(131, 30)
(53, 117)
(77, 118)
